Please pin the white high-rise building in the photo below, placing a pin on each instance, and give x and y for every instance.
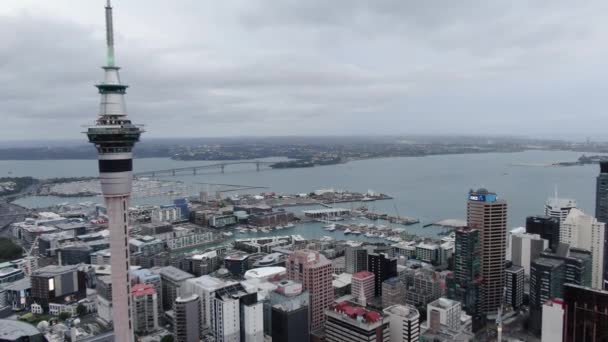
(584, 231)
(525, 248)
(205, 287)
(404, 323)
(553, 321)
(114, 137)
(559, 207)
(236, 315)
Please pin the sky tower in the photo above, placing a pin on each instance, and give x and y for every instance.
(114, 137)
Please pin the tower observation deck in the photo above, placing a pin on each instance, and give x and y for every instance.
(114, 137)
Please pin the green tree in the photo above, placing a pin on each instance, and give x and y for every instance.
(167, 338)
(81, 310)
(9, 250)
(64, 315)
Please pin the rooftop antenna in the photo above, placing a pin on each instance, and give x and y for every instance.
(554, 189)
(109, 34)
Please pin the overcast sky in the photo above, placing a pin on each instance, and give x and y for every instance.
(319, 67)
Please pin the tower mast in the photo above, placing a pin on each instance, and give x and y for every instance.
(114, 137)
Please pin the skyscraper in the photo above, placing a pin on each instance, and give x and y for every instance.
(580, 230)
(545, 226)
(383, 267)
(314, 271)
(356, 258)
(114, 137)
(188, 325)
(464, 285)
(145, 308)
(363, 287)
(514, 284)
(559, 207)
(525, 248)
(546, 282)
(404, 323)
(586, 314)
(601, 210)
(488, 214)
(289, 312)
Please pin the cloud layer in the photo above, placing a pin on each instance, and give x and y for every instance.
(234, 67)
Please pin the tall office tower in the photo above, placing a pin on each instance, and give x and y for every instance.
(559, 208)
(601, 210)
(393, 292)
(422, 286)
(349, 322)
(205, 287)
(187, 326)
(525, 248)
(147, 277)
(145, 308)
(356, 258)
(578, 264)
(464, 285)
(404, 323)
(289, 312)
(314, 271)
(236, 315)
(172, 279)
(545, 226)
(553, 320)
(546, 282)
(586, 232)
(114, 137)
(586, 314)
(488, 214)
(362, 287)
(383, 267)
(514, 283)
(104, 298)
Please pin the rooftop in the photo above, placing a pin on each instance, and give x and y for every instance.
(264, 272)
(363, 275)
(355, 314)
(186, 299)
(53, 270)
(444, 303)
(547, 262)
(407, 311)
(174, 273)
(142, 290)
(15, 330)
(558, 203)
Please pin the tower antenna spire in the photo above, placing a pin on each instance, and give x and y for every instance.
(109, 34)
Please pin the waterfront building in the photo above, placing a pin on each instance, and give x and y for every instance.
(525, 248)
(289, 305)
(114, 137)
(349, 322)
(514, 285)
(545, 226)
(488, 214)
(9, 273)
(356, 258)
(586, 313)
(580, 230)
(553, 320)
(362, 287)
(404, 323)
(546, 282)
(404, 249)
(187, 325)
(393, 292)
(145, 308)
(172, 279)
(464, 284)
(314, 272)
(383, 267)
(236, 264)
(427, 252)
(57, 284)
(601, 210)
(559, 208)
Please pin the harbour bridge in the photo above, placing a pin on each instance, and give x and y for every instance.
(192, 170)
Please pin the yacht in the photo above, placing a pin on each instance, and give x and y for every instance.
(279, 227)
(347, 231)
(356, 232)
(227, 234)
(253, 230)
(330, 226)
(290, 225)
(330, 229)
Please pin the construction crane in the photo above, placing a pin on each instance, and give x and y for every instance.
(499, 316)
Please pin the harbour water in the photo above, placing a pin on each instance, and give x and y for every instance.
(428, 188)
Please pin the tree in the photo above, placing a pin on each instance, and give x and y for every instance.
(81, 310)
(167, 338)
(64, 315)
